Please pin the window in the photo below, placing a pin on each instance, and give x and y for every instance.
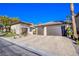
(31, 29)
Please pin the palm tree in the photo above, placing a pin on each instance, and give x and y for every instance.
(73, 21)
(68, 19)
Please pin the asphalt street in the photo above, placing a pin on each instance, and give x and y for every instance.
(11, 49)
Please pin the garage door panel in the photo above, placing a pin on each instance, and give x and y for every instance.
(54, 30)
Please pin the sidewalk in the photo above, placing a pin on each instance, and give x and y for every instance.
(57, 45)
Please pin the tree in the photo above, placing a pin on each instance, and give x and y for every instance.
(73, 21)
(15, 19)
(12, 21)
(4, 21)
(7, 22)
(68, 17)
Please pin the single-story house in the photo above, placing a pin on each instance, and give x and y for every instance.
(22, 28)
(51, 28)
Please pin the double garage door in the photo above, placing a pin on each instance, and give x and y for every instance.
(51, 30)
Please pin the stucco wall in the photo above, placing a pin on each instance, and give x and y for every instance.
(77, 23)
(54, 30)
(16, 28)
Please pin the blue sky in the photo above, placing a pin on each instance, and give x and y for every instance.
(37, 12)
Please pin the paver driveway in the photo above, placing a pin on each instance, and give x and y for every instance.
(11, 49)
(55, 45)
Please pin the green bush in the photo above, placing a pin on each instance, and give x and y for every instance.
(69, 32)
(9, 34)
(77, 42)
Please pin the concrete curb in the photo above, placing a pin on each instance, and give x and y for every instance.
(34, 50)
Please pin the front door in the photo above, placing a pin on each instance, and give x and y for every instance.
(24, 31)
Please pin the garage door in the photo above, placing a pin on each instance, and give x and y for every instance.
(54, 30)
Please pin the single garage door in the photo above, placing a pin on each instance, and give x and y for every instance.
(54, 30)
(41, 30)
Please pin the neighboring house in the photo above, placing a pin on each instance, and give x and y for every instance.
(22, 28)
(51, 28)
(77, 22)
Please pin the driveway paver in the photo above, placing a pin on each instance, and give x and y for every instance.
(58, 45)
(11, 49)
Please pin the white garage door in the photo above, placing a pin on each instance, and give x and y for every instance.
(54, 30)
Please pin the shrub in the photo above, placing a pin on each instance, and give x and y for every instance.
(77, 42)
(9, 34)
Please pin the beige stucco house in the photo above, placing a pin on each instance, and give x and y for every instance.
(51, 28)
(22, 28)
